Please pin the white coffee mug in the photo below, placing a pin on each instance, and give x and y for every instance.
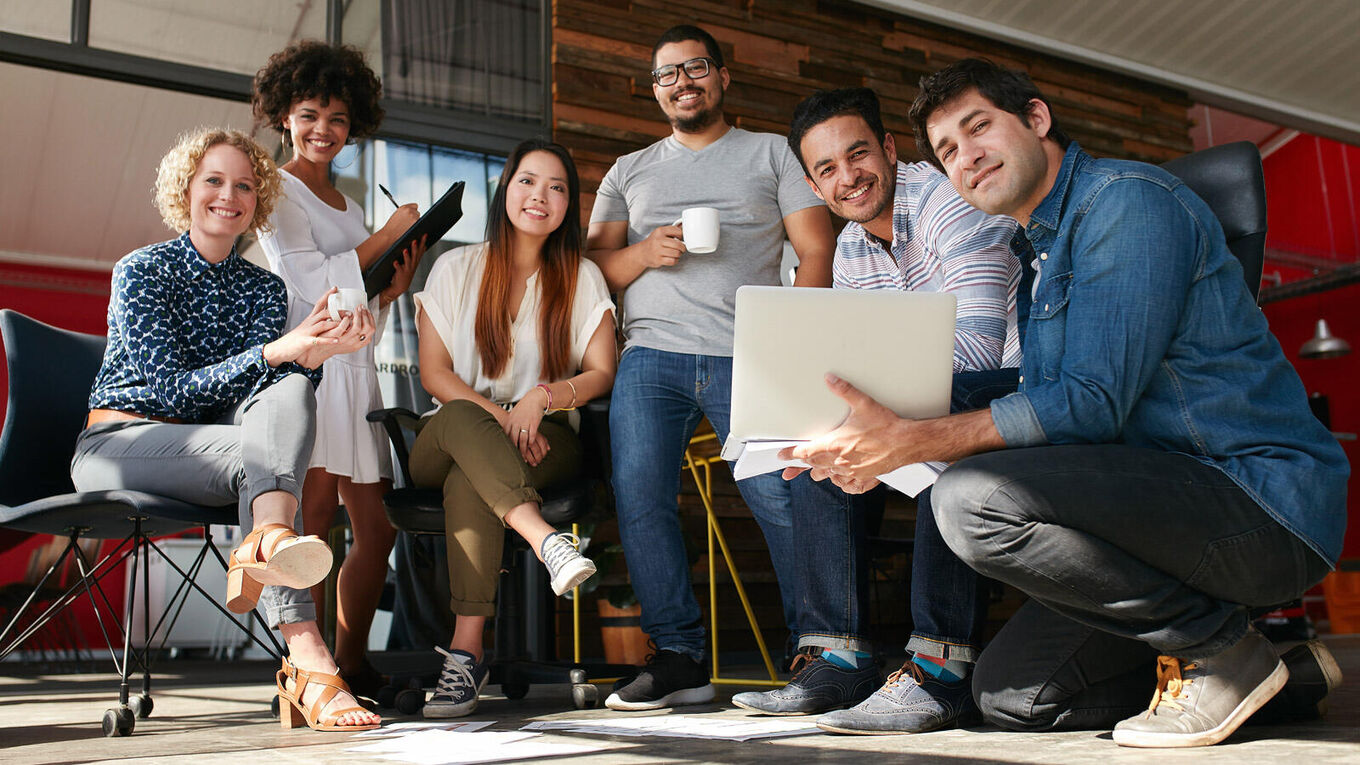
(344, 300)
(701, 229)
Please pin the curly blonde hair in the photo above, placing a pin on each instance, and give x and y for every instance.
(180, 164)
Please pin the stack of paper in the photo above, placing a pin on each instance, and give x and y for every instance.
(682, 726)
(755, 458)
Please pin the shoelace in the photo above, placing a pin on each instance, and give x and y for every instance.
(1170, 683)
(911, 668)
(455, 677)
(561, 548)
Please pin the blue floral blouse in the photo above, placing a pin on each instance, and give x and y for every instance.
(186, 337)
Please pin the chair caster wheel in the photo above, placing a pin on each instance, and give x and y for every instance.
(387, 697)
(577, 677)
(515, 689)
(119, 722)
(274, 706)
(410, 701)
(141, 706)
(585, 696)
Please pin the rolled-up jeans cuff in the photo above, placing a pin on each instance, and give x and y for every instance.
(270, 483)
(286, 610)
(693, 653)
(834, 642)
(942, 648)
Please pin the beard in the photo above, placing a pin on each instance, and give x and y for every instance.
(700, 120)
(885, 190)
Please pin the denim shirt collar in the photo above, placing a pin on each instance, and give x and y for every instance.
(1049, 211)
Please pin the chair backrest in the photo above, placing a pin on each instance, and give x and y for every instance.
(50, 373)
(1229, 179)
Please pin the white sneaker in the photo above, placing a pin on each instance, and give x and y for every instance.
(566, 566)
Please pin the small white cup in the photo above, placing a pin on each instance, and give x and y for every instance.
(701, 229)
(344, 300)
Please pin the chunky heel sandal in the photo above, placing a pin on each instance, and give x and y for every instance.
(316, 716)
(243, 592)
(274, 554)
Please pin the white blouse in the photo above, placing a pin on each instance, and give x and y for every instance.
(450, 302)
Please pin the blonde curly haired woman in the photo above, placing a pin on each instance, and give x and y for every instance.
(202, 397)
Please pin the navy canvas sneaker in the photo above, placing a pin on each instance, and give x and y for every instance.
(459, 683)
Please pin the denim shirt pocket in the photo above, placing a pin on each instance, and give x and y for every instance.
(1048, 322)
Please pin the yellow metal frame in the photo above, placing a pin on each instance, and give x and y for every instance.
(704, 484)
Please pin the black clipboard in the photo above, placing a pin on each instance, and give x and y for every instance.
(435, 223)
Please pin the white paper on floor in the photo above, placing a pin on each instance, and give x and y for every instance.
(443, 747)
(407, 728)
(682, 726)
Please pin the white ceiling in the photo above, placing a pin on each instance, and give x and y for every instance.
(1291, 62)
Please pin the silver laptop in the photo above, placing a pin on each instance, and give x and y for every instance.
(898, 347)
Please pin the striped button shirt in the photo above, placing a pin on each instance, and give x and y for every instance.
(942, 244)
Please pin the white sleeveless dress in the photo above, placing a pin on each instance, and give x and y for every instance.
(312, 248)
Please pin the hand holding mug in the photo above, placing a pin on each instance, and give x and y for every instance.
(663, 247)
(700, 228)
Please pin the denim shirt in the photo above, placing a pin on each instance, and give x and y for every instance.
(186, 337)
(1142, 332)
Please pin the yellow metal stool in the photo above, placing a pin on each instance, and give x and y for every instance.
(704, 482)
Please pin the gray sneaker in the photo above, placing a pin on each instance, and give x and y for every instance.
(566, 566)
(911, 701)
(459, 683)
(1200, 703)
(818, 686)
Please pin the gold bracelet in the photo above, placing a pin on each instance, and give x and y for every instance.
(573, 394)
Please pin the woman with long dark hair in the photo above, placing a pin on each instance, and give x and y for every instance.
(515, 333)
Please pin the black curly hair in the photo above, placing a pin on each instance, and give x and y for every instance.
(314, 69)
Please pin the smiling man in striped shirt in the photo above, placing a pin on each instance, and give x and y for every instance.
(910, 230)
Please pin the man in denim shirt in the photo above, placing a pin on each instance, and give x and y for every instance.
(1157, 474)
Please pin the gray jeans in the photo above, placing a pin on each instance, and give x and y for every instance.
(1126, 553)
(263, 445)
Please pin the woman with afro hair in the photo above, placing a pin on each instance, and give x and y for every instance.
(321, 97)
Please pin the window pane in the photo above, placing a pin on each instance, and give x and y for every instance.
(450, 166)
(484, 56)
(237, 36)
(49, 20)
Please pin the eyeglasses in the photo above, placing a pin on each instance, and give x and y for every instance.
(695, 69)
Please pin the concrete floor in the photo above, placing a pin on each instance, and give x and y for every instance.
(206, 712)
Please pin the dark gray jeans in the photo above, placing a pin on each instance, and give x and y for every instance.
(1126, 553)
(263, 445)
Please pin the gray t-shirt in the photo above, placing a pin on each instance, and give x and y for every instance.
(754, 181)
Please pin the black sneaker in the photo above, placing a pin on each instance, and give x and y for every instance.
(460, 681)
(819, 686)
(670, 679)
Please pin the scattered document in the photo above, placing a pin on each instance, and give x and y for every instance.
(682, 726)
(755, 458)
(406, 728)
(443, 747)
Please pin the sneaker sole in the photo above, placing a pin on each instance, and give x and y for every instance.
(700, 695)
(575, 578)
(1248, 706)
(1331, 671)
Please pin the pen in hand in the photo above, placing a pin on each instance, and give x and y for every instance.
(389, 196)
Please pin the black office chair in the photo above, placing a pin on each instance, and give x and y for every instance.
(1229, 179)
(50, 373)
(525, 650)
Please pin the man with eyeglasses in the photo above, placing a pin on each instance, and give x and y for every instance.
(677, 314)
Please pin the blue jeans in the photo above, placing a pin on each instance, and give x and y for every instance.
(657, 402)
(948, 599)
(1126, 553)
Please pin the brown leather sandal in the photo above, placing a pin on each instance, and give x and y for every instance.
(295, 715)
(273, 554)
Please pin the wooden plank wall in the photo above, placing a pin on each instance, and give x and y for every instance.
(779, 51)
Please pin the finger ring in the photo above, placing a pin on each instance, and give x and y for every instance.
(363, 338)
(524, 430)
